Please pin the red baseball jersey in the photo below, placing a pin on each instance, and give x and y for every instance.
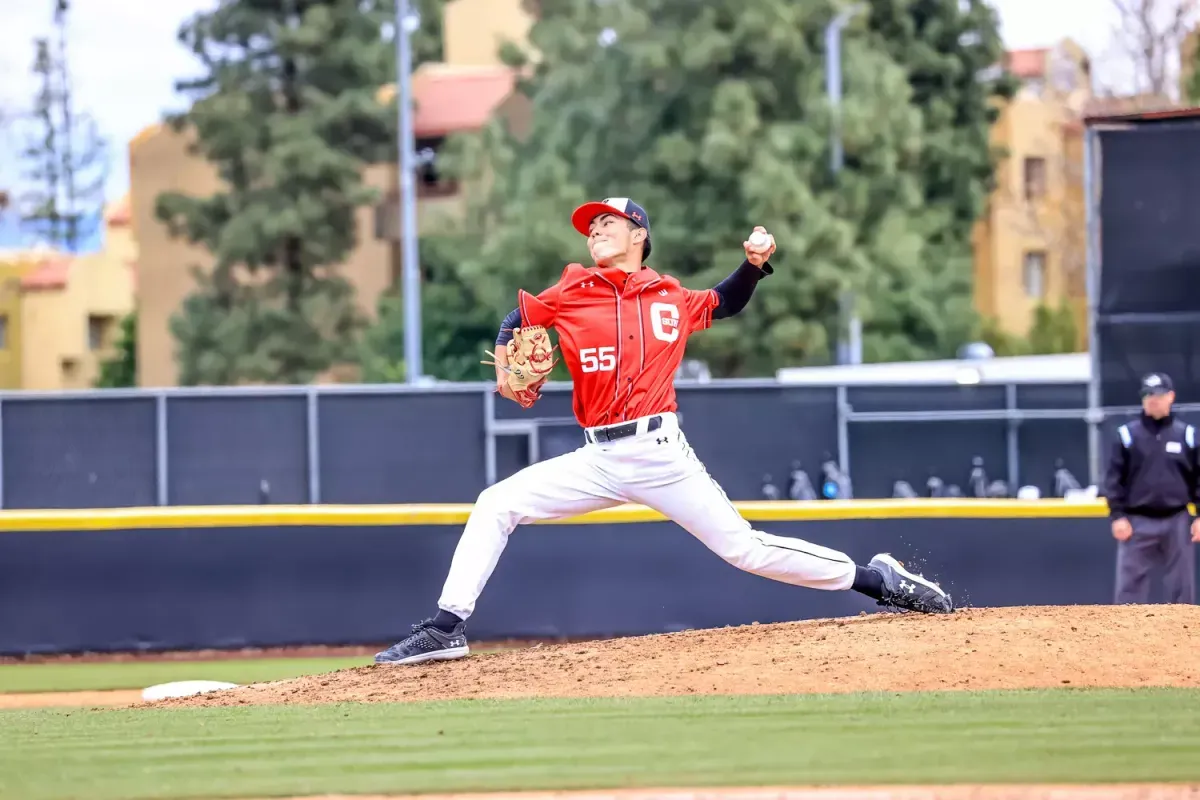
(621, 335)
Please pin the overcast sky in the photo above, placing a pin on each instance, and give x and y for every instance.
(129, 86)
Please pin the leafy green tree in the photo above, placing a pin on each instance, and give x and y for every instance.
(288, 111)
(1003, 343)
(456, 327)
(1192, 87)
(714, 116)
(120, 370)
(1053, 330)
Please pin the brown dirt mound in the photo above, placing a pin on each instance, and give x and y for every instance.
(995, 648)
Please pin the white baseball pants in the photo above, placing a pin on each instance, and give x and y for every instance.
(654, 468)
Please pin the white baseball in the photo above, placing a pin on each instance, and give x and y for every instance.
(759, 239)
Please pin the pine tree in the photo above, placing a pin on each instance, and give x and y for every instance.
(953, 55)
(67, 162)
(40, 211)
(288, 111)
(714, 116)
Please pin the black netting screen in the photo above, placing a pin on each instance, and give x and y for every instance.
(1128, 351)
(237, 450)
(1150, 220)
(1149, 301)
(79, 453)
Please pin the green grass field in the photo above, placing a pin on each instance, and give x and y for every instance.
(140, 674)
(1036, 736)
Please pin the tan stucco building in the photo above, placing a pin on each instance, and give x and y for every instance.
(1030, 244)
(60, 314)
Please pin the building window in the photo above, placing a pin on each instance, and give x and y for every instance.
(1035, 178)
(1034, 274)
(99, 326)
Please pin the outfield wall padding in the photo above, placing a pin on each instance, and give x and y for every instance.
(264, 585)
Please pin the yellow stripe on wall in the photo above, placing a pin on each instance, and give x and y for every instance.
(456, 514)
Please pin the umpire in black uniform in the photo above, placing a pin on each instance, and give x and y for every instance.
(1153, 474)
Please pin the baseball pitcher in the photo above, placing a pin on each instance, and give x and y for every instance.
(622, 329)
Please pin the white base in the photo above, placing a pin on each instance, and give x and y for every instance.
(184, 689)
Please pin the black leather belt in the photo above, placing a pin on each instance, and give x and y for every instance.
(611, 433)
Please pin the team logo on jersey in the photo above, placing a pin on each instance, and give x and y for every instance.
(664, 321)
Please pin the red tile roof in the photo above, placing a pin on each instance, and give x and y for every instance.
(1135, 107)
(452, 100)
(50, 274)
(1028, 63)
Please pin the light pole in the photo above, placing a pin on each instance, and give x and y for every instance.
(833, 76)
(406, 23)
(848, 352)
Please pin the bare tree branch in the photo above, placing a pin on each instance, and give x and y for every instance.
(1149, 35)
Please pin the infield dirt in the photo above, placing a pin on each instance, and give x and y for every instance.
(973, 649)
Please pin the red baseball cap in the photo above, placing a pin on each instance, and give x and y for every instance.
(582, 217)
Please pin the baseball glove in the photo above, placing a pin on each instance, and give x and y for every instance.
(530, 359)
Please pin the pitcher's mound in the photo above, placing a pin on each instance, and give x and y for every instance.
(989, 648)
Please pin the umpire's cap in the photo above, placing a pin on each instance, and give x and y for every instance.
(622, 207)
(1157, 383)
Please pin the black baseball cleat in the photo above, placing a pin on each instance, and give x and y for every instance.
(902, 589)
(427, 643)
